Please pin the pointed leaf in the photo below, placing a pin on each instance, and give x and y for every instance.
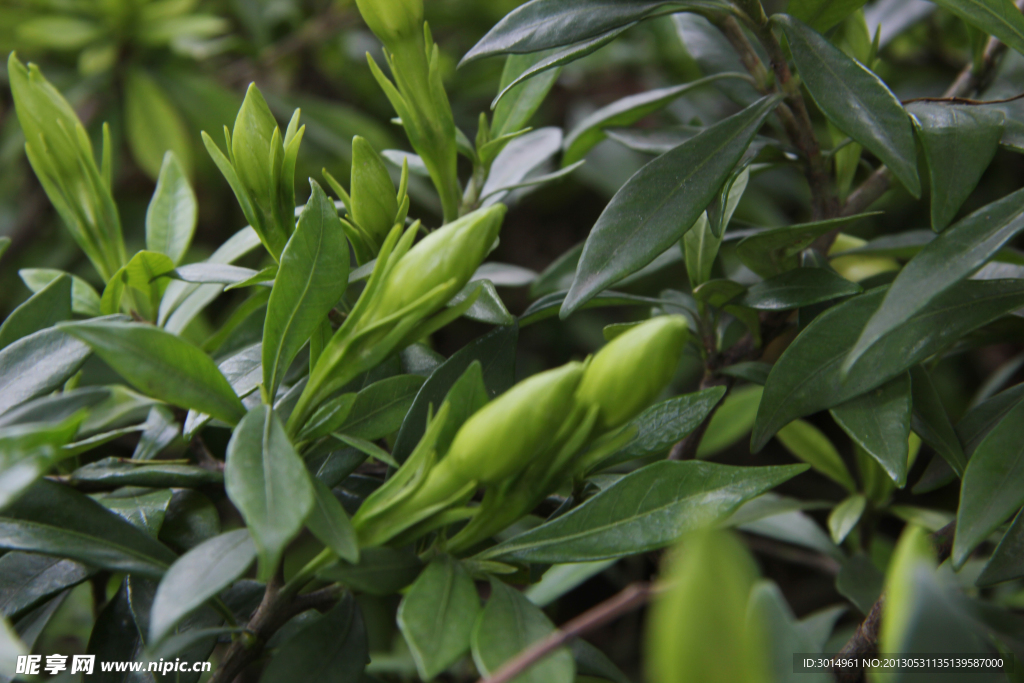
(331, 525)
(809, 444)
(171, 216)
(38, 364)
(879, 422)
(845, 516)
(996, 17)
(46, 308)
(84, 299)
(520, 95)
(798, 288)
(930, 421)
(1007, 562)
(777, 250)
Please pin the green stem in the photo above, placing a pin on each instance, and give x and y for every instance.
(307, 573)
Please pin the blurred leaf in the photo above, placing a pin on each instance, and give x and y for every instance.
(668, 195)
(437, 615)
(562, 578)
(51, 305)
(714, 55)
(26, 579)
(84, 299)
(809, 444)
(329, 523)
(991, 16)
(879, 422)
(518, 159)
(798, 288)
(153, 125)
(1007, 561)
(380, 571)
(647, 509)
(191, 518)
(821, 15)
(119, 472)
(38, 364)
(776, 250)
(731, 422)
(855, 100)
(784, 634)
(171, 216)
(930, 421)
(845, 516)
(860, 582)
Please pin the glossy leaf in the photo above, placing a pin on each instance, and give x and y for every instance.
(437, 616)
(930, 421)
(171, 216)
(332, 527)
(312, 278)
(197, 576)
(161, 365)
(379, 409)
(38, 364)
(647, 509)
(798, 288)
(946, 260)
(879, 422)
(27, 579)
(807, 377)
(855, 100)
(809, 444)
(660, 202)
(509, 624)
(141, 508)
(520, 94)
(268, 483)
(46, 308)
(776, 250)
(109, 472)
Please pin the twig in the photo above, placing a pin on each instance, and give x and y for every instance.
(628, 599)
(963, 100)
(792, 554)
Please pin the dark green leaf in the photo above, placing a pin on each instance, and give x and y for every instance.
(777, 250)
(142, 508)
(171, 216)
(807, 378)
(557, 277)
(879, 421)
(520, 95)
(999, 18)
(509, 624)
(112, 471)
(331, 525)
(959, 144)
(26, 579)
(752, 371)
(331, 649)
(714, 55)
(197, 576)
(161, 365)
(328, 417)
(46, 308)
(855, 100)
(979, 421)
(160, 431)
(660, 202)
(496, 352)
(379, 409)
(931, 423)
(56, 520)
(946, 260)
(769, 607)
(1007, 562)
(268, 483)
(821, 15)
(591, 661)
(548, 306)
(38, 364)
(115, 637)
(647, 509)
(860, 582)
(191, 519)
(380, 571)
(797, 288)
(312, 278)
(437, 616)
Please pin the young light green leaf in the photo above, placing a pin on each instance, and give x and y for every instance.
(949, 258)
(645, 510)
(329, 523)
(437, 616)
(855, 100)
(161, 365)
(808, 443)
(845, 516)
(197, 576)
(879, 422)
(731, 422)
(153, 124)
(171, 216)
(38, 364)
(312, 278)
(509, 624)
(268, 483)
(776, 250)
(49, 306)
(798, 288)
(660, 202)
(84, 299)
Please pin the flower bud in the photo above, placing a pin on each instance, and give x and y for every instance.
(632, 369)
(250, 146)
(393, 21)
(451, 252)
(504, 436)
(374, 204)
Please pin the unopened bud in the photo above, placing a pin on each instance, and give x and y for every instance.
(632, 369)
(504, 436)
(393, 21)
(250, 145)
(374, 204)
(452, 252)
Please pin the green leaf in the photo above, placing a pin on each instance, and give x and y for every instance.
(855, 100)
(56, 520)
(197, 576)
(660, 202)
(806, 378)
(647, 509)
(84, 299)
(562, 578)
(437, 616)
(5, 242)
(38, 364)
(625, 112)
(27, 579)
(930, 421)
(380, 571)
(731, 422)
(161, 365)
(496, 352)
(996, 17)
(807, 442)
(509, 624)
(268, 483)
(153, 125)
(543, 24)
(993, 485)
(332, 527)
(548, 306)
(518, 98)
(312, 278)
(191, 518)
(860, 582)
(49, 306)
(1005, 563)
(798, 288)
(776, 250)
(152, 473)
(332, 649)
(115, 635)
(487, 308)
(821, 15)
(171, 216)
(943, 262)
(879, 422)
(379, 409)
(141, 508)
(786, 635)
(979, 421)
(845, 516)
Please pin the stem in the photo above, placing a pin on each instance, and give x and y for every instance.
(307, 573)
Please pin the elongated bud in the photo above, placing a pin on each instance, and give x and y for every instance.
(393, 21)
(504, 436)
(251, 145)
(632, 369)
(452, 252)
(374, 203)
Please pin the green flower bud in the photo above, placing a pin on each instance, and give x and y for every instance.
(251, 146)
(393, 21)
(452, 252)
(503, 438)
(632, 369)
(374, 203)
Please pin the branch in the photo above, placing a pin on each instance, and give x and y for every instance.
(628, 599)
